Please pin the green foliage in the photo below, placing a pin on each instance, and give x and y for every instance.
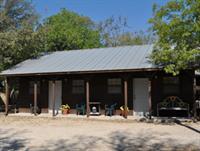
(177, 25)
(16, 46)
(174, 61)
(68, 30)
(18, 40)
(66, 106)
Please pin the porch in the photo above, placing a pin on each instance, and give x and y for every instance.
(138, 92)
(49, 93)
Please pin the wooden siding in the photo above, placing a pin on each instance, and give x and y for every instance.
(186, 88)
(99, 92)
(26, 98)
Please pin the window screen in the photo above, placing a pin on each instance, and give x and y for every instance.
(114, 86)
(78, 86)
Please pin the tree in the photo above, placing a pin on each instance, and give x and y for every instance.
(137, 38)
(177, 26)
(14, 14)
(18, 38)
(16, 46)
(114, 32)
(68, 30)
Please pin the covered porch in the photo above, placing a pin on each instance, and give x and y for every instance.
(132, 91)
(138, 93)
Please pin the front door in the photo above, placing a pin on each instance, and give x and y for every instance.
(140, 96)
(58, 96)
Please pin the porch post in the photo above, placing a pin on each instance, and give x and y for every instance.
(194, 97)
(7, 95)
(54, 99)
(88, 97)
(35, 98)
(149, 98)
(125, 98)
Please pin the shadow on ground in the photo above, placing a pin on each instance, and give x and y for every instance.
(10, 140)
(146, 141)
(119, 141)
(187, 126)
(116, 141)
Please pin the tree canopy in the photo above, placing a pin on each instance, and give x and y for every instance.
(14, 14)
(68, 30)
(114, 32)
(177, 27)
(18, 39)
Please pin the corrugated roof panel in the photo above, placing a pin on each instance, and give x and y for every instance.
(99, 59)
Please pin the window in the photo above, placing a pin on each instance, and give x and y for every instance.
(78, 86)
(31, 87)
(114, 86)
(171, 86)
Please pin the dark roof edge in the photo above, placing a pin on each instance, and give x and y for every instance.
(83, 72)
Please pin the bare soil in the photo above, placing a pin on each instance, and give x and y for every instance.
(74, 134)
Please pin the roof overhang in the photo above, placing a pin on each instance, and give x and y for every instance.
(83, 72)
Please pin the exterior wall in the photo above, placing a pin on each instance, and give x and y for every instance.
(25, 98)
(197, 87)
(185, 87)
(99, 92)
(68, 97)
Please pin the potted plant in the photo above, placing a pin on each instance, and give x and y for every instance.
(65, 109)
(122, 108)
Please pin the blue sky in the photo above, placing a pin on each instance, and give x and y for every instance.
(137, 12)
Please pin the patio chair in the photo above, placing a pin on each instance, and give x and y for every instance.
(80, 109)
(110, 110)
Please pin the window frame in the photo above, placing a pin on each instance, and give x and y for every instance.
(114, 86)
(78, 86)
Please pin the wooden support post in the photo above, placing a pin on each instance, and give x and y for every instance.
(194, 98)
(125, 98)
(54, 99)
(149, 99)
(35, 98)
(88, 97)
(7, 95)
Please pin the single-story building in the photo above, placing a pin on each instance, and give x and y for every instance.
(119, 75)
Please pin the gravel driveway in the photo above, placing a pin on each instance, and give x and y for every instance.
(36, 133)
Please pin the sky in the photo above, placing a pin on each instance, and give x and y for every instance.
(137, 12)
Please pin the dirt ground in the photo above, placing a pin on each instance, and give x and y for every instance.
(37, 133)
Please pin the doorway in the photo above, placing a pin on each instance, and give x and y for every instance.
(140, 96)
(58, 96)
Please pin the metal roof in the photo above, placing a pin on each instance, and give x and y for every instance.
(88, 60)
